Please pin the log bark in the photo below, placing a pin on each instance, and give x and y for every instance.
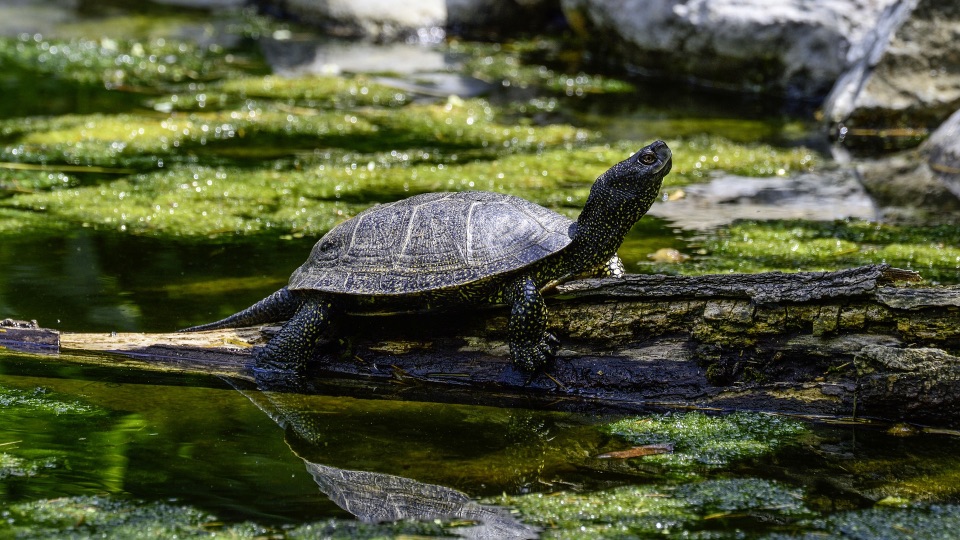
(866, 341)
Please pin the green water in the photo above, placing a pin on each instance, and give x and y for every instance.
(152, 176)
(122, 450)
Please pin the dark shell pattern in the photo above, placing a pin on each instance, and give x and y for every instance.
(432, 241)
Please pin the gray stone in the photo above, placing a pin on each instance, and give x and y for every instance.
(926, 178)
(943, 153)
(904, 184)
(794, 47)
(909, 80)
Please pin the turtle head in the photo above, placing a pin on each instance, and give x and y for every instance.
(619, 198)
(625, 192)
(639, 176)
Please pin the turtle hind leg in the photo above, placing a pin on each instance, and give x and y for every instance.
(531, 346)
(294, 346)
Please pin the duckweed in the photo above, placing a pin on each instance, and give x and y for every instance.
(14, 466)
(700, 440)
(40, 399)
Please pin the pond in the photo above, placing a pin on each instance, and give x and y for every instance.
(162, 167)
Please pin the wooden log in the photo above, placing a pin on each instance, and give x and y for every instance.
(864, 341)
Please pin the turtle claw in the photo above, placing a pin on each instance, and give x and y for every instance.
(264, 359)
(532, 359)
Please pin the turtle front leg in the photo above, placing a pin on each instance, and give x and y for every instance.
(613, 268)
(531, 346)
(294, 346)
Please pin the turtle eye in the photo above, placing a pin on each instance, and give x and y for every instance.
(648, 158)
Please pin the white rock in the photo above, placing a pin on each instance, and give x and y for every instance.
(793, 46)
(422, 20)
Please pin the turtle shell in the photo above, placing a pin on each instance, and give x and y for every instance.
(432, 241)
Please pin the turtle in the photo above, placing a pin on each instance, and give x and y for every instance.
(451, 250)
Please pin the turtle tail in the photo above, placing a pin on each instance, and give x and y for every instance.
(279, 306)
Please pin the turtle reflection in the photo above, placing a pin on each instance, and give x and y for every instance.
(377, 497)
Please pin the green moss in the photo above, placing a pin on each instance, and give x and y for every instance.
(744, 131)
(695, 158)
(14, 180)
(317, 92)
(146, 142)
(312, 194)
(919, 523)
(113, 63)
(737, 495)
(90, 517)
(751, 246)
(324, 148)
(521, 64)
(712, 441)
(621, 512)
(688, 511)
(104, 517)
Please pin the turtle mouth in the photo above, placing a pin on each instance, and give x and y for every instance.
(666, 156)
(667, 166)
